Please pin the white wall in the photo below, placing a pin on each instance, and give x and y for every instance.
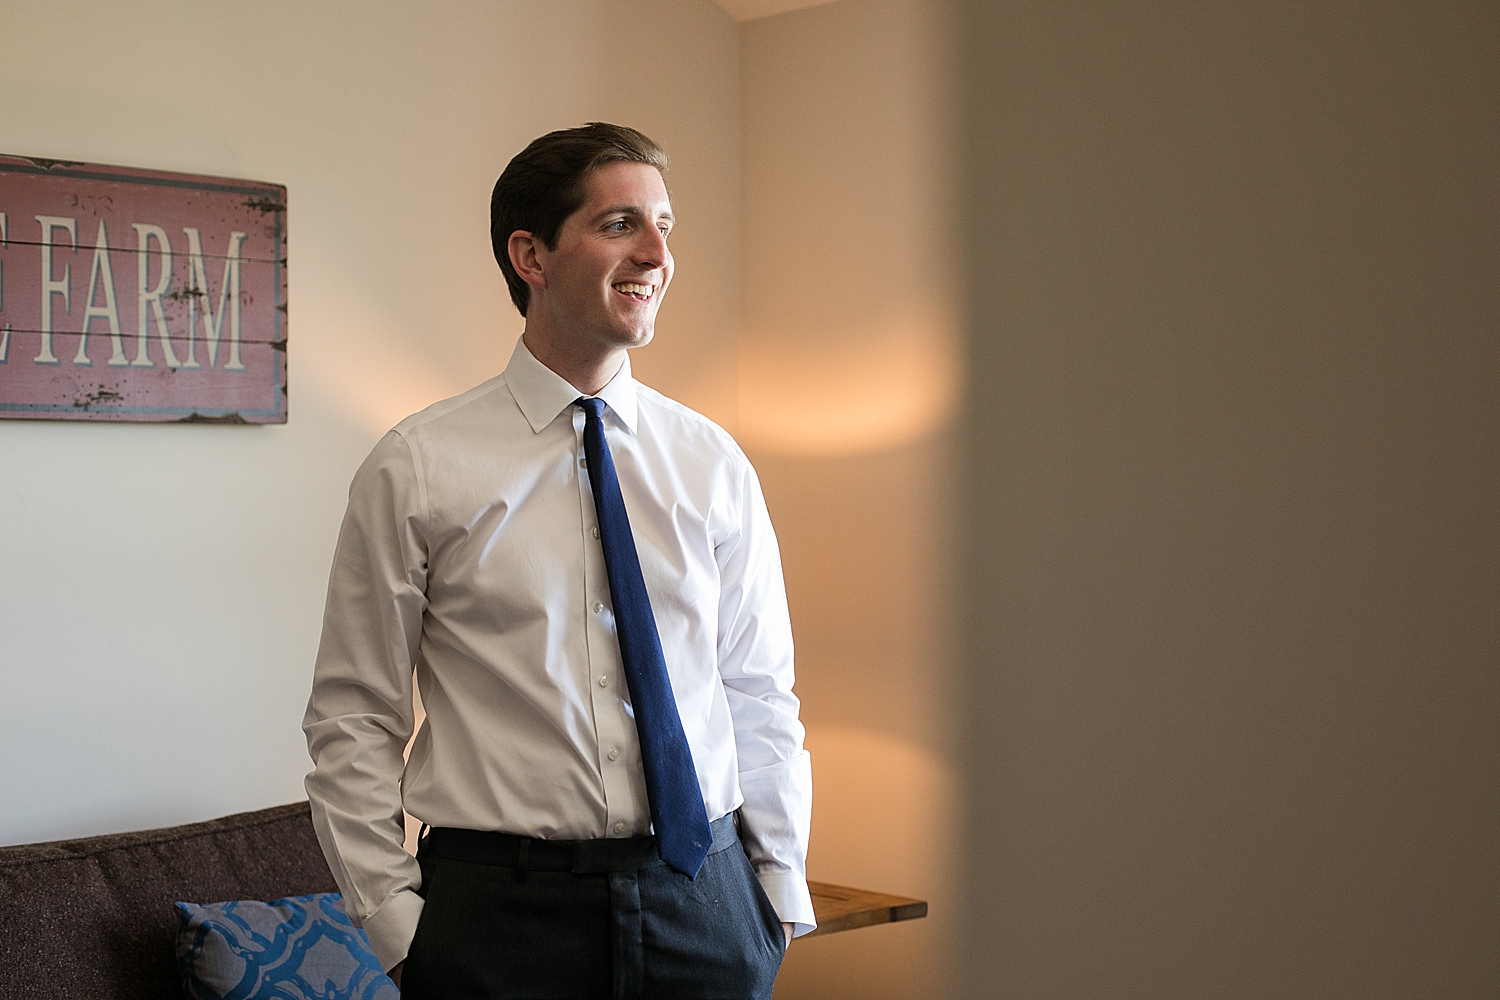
(161, 587)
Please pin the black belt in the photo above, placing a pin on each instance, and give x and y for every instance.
(506, 850)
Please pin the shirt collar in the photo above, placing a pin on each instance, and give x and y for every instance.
(542, 393)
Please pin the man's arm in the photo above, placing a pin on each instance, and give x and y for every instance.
(755, 662)
(359, 717)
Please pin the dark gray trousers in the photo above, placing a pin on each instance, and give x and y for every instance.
(507, 917)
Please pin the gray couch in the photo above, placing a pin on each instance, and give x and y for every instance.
(93, 919)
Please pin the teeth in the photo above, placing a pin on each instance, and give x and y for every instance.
(633, 289)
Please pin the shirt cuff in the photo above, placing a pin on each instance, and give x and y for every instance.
(391, 928)
(788, 894)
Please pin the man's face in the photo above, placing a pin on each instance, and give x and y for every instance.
(611, 267)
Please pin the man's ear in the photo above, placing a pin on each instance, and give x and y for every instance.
(525, 256)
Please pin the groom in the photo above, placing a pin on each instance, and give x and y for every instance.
(582, 576)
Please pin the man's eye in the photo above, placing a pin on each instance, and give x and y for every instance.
(617, 226)
(665, 231)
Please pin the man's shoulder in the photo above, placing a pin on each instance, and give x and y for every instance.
(684, 424)
(479, 402)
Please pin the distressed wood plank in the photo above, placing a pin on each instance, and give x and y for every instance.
(140, 295)
(841, 908)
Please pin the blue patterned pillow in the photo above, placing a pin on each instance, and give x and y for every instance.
(302, 948)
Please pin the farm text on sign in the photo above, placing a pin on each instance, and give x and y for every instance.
(140, 295)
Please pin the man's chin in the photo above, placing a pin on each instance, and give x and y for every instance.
(631, 339)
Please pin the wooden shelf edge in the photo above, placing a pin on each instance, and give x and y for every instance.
(843, 908)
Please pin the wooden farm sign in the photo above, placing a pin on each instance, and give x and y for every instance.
(140, 295)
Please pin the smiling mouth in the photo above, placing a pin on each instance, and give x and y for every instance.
(641, 293)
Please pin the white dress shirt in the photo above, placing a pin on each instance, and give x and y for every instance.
(470, 555)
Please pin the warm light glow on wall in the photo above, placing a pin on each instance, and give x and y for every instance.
(881, 796)
(847, 392)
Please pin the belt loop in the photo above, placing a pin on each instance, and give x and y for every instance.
(522, 853)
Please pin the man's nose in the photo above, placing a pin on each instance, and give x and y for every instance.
(652, 250)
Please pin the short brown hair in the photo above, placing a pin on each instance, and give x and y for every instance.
(545, 184)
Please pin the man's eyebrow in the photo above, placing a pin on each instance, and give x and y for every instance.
(633, 210)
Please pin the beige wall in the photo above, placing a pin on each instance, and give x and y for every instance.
(1234, 570)
(849, 380)
(163, 585)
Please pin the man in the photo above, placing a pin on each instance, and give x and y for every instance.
(583, 577)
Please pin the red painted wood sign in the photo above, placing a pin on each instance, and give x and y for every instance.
(140, 295)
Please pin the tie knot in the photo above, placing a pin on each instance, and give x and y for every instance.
(592, 405)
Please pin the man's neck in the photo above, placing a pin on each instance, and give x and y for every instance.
(588, 373)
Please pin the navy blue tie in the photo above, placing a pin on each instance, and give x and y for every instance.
(677, 810)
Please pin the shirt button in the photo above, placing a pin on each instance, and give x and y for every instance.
(620, 827)
(598, 607)
(604, 681)
(614, 753)
(596, 532)
(583, 463)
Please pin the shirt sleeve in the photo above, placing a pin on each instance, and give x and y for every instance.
(359, 717)
(755, 662)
